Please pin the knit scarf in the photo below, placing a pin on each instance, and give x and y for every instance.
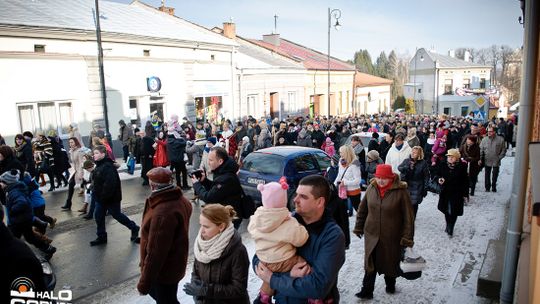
(382, 190)
(208, 250)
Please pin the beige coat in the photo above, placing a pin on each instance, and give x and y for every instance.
(387, 224)
(276, 234)
(77, 159)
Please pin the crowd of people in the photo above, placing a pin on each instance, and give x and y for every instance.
(298, 255)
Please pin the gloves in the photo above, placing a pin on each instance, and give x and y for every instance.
(196, 288)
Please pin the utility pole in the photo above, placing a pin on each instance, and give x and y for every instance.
(102, 76)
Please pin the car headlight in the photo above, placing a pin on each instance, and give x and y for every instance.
(46, 268)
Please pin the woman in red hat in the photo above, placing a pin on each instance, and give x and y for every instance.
(386, 218)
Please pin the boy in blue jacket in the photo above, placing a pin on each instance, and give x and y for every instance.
(19, 211)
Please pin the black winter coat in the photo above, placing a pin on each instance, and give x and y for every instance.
(18, 260)
(373, 145)
(106, 182)
(61, 158)
(384, 147)
(176, 147)
(225, 189)
(26, 157)
(454, 189)
(319, 137)
(11, 163)
(416, 175)
(226, 276)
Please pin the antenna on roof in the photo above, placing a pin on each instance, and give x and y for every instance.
(275, 23)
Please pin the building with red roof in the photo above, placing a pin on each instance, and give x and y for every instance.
(316, 85)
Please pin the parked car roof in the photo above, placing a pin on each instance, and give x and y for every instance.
(287, 150)
(365, 137)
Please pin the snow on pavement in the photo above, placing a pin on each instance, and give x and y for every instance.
(453, 264)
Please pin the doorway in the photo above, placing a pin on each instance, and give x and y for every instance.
(274, 104)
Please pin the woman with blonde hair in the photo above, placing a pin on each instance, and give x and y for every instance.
(220, 269)
(415, 172)
(349, 174)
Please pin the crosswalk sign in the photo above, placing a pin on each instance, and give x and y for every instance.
(479, 116)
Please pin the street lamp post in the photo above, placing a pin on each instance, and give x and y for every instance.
(336, 13)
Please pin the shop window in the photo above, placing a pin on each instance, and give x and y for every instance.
(291, 98)
(446, 110)
(448, 85)
(209, 107)
(482, 83)
(464, 111)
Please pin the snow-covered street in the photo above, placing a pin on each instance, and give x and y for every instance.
(453, 263)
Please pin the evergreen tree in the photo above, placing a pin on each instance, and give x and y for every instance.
(381, 65)
(362, 61)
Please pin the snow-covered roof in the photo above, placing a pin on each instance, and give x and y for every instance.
(136, 19)
(444, 61)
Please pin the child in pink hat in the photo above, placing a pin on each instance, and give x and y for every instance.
(276, 233)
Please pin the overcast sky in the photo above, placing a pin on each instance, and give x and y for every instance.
(376, 25)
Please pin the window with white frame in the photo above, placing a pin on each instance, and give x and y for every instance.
(291, 98)
(49, 115)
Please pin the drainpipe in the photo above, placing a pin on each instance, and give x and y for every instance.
(519, 183)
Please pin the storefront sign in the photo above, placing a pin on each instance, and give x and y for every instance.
(153, 84)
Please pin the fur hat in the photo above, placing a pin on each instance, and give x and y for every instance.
(372, 155)
(454, 152)
(10, 177)
(160, 175)
(274, 195)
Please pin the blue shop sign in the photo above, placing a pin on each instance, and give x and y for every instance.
(153, 84)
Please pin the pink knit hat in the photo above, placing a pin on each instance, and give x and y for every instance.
(274, 195)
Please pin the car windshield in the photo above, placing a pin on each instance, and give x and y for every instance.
(264, 163)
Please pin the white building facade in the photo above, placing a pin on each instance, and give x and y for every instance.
(50, 75)
(444, 84)
(266, 83)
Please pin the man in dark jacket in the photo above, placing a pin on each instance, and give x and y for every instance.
(125, 133)
(374, 142)
(225, 189)
(107, 192)
(324, 251)
(164, 238)
(317, 136)
(19, 211)
(176, 148)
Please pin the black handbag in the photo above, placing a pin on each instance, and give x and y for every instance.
(434, 186)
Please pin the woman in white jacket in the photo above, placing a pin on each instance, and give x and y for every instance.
(399, 152)
(349, 174)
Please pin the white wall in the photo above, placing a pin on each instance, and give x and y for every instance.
(379, 99)
(63, 73)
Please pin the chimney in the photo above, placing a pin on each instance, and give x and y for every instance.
(452, 53)
(166, 9)
(467, 56)
(273, 39)
(229, 30)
